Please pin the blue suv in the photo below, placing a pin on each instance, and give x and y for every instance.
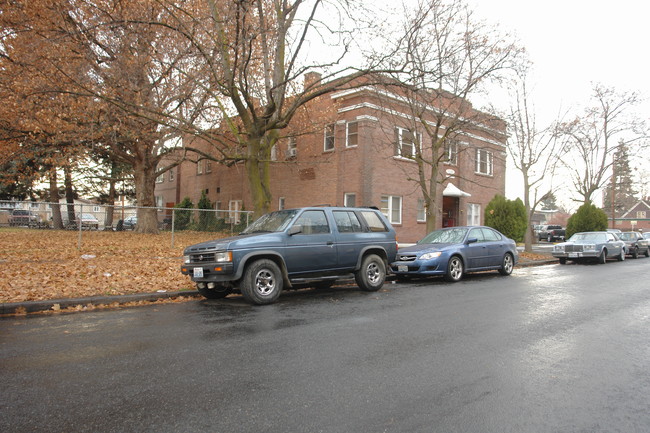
(295, 248)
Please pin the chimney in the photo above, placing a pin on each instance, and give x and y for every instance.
(310, 79)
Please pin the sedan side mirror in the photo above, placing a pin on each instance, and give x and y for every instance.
(471, 241)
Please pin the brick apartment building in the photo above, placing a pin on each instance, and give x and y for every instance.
(356, 157)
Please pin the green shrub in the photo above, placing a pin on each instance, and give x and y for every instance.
(184, 219)
(588, 218)
(207, 221)
(507, 216)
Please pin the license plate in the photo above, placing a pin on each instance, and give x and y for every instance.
(574, 254)
(402, 269)
(198, 272)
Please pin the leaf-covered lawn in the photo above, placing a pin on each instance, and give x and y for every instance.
(46, 264)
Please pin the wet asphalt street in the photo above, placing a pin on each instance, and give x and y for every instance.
(549, 349)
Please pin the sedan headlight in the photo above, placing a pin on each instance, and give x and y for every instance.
(429, 256)
(589, 247)
(558, 248)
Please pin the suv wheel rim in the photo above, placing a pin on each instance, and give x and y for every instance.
(264, 282)
(374, 274)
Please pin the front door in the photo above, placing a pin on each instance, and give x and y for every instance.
(450, 211)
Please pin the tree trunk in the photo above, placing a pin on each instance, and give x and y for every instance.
(57, 222)
(144, 174)
(110, 210)
(257, 167)
(528, 234)
(431, 199)
(69, 194)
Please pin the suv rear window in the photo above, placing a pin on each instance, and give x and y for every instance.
(347, 222)
(374, 222)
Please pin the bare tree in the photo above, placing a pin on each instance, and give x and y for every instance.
(535, 152)
(451, 56)
(592, 139)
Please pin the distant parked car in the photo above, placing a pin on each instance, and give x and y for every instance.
(130, 222)
(88, 221)
(646, 235)
(454, 251)
(551, 233)
(23, 217)
(635, 243)
(590, 245)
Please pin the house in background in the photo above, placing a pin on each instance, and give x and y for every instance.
(359, 154)
(636, 218)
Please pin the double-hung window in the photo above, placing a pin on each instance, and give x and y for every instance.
(391, 206)
(451, 152)
(484, 162)
(351, 134)
(407, 143)
(329, 138)
(421, 214)
(473, 214)
(350, 199)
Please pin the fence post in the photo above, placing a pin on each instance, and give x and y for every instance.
(173, 219)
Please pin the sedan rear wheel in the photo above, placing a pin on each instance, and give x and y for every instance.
(507, 265)
(454, 269)
(635, 253)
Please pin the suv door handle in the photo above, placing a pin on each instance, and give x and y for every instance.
(330, 243)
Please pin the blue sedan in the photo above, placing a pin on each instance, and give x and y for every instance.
(454, 251)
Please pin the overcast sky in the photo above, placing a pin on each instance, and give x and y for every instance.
(574, 43)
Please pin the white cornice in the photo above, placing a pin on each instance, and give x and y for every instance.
(401, 99)
(410, 117)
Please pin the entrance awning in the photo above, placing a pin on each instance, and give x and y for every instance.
(452, 190)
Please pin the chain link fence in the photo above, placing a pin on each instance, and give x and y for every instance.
(85, 216)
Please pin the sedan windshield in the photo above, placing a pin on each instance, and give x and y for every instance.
(628, 236)
(272, 222)
(445, 236)
(593, 237)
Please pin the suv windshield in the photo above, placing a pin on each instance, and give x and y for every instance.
(272, 222)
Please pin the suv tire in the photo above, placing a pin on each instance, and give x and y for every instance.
(262, 282)
(372, 274)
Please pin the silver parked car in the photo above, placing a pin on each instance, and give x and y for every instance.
(635, 244)
(590, 245)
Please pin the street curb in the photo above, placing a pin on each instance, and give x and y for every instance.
(36, 306)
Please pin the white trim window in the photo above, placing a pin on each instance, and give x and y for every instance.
(171, 174)
(292, 148)
(451, 152)
(208, 166)
(199, 167)
(234, 211)
(640, 214)
(352, 134)
(407, 143)
(281, 203)
(391, 206)
(274, 153)
(484, 162)
(160, 178)
(328, 139)
(350, 199)
(473, 214)
(421, 214)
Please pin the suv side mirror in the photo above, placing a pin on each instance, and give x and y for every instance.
(294, 230)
